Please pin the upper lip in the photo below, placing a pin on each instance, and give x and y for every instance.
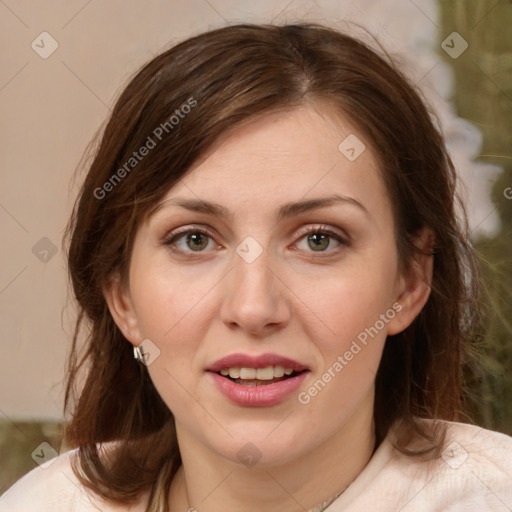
(256, 361)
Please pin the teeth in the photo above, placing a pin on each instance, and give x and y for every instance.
(234, 373)
(247, 373)
(267, 373)
(279, 371)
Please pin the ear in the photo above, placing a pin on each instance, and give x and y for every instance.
(414, 284)
(121, 308)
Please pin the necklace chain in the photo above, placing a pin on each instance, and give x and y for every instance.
(325, 504)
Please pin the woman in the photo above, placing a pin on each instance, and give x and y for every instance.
(279, 295)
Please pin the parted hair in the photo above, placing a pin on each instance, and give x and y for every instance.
(229, 76)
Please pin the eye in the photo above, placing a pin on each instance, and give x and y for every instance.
(190, 240)
(321, 239)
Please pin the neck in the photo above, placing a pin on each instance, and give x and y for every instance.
(211, 483)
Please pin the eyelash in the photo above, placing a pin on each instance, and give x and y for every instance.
(171, 239)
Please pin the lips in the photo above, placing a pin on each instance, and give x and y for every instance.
(257, 381)
(260, 361)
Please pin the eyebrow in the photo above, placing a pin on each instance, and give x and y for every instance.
(285, 211)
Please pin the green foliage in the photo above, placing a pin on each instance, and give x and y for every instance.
(17, 443)
(483, 95)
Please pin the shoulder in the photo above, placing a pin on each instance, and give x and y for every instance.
(476, 445)
(473, 473)
(477, 458)
(53, 487)
(49, 487)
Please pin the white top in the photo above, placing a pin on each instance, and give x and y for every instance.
(474, 474)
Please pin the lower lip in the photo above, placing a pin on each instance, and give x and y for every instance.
(258, 396)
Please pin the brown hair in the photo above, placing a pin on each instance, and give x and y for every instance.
(229, 76)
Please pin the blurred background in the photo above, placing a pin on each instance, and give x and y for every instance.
(63, 65)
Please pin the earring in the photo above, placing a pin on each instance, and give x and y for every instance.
(138, 354)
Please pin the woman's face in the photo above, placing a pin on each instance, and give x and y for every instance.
(277, 252)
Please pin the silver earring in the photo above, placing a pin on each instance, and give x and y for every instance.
(138, 354)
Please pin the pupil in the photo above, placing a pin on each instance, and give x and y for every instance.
(319, 241)
(199, 241)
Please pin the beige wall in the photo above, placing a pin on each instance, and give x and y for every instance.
(50, 109)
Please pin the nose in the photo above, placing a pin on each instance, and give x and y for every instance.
(255, 299)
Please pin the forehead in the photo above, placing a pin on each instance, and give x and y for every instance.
(287, 156)
(309, 133)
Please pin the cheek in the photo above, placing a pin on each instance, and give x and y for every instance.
(171, 312)
(173, 309)
(167, 300)
(348, 301)
(357, 310)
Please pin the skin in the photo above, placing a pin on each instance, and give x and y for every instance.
(292, 300)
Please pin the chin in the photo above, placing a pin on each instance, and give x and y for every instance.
(261, 448)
